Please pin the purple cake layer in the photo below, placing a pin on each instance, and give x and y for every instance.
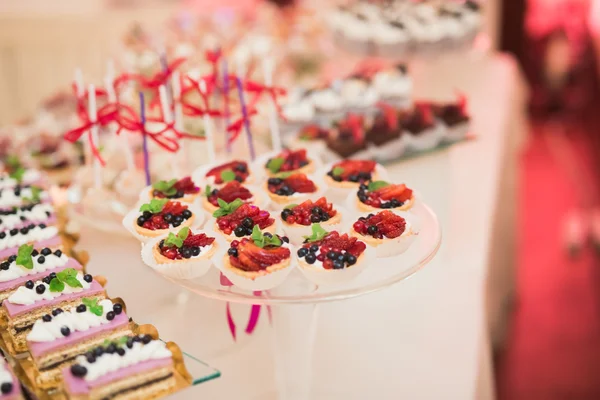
(79, 386)
(14, 310)
(38, 349)
(71, 263)
(52, 242)
(50, 221)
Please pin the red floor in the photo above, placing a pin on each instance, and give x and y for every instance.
(553, 349)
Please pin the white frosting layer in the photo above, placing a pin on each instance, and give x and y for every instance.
(38, 214)
(16, 271)
(301, 111)
(8, 198)
(75, 321)
(33, 235)
(30, 176)
(357, 93)
(107, 363)
(326, 100)
(391, 83)
(24, 296)
(384, 33)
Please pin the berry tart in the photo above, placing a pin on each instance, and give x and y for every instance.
(298, 218)
(329, 257)
(58, 337)
(131, 367)
(387, 231)
(229, 192)
(219, 174)
(455, 118)
(378, 195)
(311, 137)
(184, 190)
(344, 176)
(347, 138)
(424, 131)
(386, 135)
(286, 188)
(159, 216)
(181, 255)
(38, 235)
(259, 262)
(10, 388)
(236, 219)
(288, 161)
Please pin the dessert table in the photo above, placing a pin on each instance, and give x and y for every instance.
(427, 338)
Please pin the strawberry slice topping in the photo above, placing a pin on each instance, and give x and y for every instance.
(352, 170)
(295, 183)
(313, 132)
(231, 191)
(243, 219)
(388, 196)
(380, 225)
(334, 251)
(309, 212)
(179, 189)
(239, 168)
(247, 256)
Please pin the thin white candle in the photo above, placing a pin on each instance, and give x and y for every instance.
(208, 132)
(168, 117)
(112, 98)
(273, 120)
(93, 115)
(177, 100)
(79, 82)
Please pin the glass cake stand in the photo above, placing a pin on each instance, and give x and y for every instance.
(295, 303)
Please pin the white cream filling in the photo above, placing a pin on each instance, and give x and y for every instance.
(8, 198)
(356, 93)
(30, 176)
(24, 296)
(33, 235)
(392, 84)
(38, 214)
(107, 363)
(76, 322)
(15, 271)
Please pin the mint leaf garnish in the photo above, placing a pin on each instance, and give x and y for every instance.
(275, 164)
(35, 195)
(66, 273)
(262, 240)
(13, 162)
(290, 206)
(227, 208)
(122, 340)
(183, 233)
(17, 174)
(177, 240)
(73, 282)
(207, 190)
(166, 187)
(377, 185)
(24, 256)
(337, 171)
(56, 285)
(318, 233)
(155, 206)
(227, 175)
(93, 306)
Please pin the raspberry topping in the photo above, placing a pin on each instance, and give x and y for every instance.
(242, 220)
(248, 256)
(185, 244)
(383, 224)
(333, 251)
(309, 212)
(231, 191)
(288, 160)
(174, 189)
(384, 195)
(352, 171)
(312, 132)
(295, 183)
(239, 168)
(163, 216)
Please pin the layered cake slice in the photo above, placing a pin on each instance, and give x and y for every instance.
(57, 338)
(40, 236)
(20, 217)
(10, 388)
(31, 265)
(35, 299)
(21, 195)
(135, 367)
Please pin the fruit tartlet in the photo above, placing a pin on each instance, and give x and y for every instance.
(231, 191)
(181, 255)
(286, 188)
(330, 257)
(311, 137)
(380, 195)
(184, 190)
(236, 219)
(344, 176)
(298, 218)
(386, 135)
(390, 233)
(160, 216)
(347, 138)
(220, 174)
(425, 132)
(259, 262)
(287, 161)
(455, 117)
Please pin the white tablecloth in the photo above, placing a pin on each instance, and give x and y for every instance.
(426, 338)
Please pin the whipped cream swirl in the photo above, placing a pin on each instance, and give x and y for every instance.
(24, 296)
(10, 239)
(10, 197)
(36, 213)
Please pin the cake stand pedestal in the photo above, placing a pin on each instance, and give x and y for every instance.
(293, 306)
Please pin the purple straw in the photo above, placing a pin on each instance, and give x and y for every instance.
(245, 116)
(144, 139)
(226, 105)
